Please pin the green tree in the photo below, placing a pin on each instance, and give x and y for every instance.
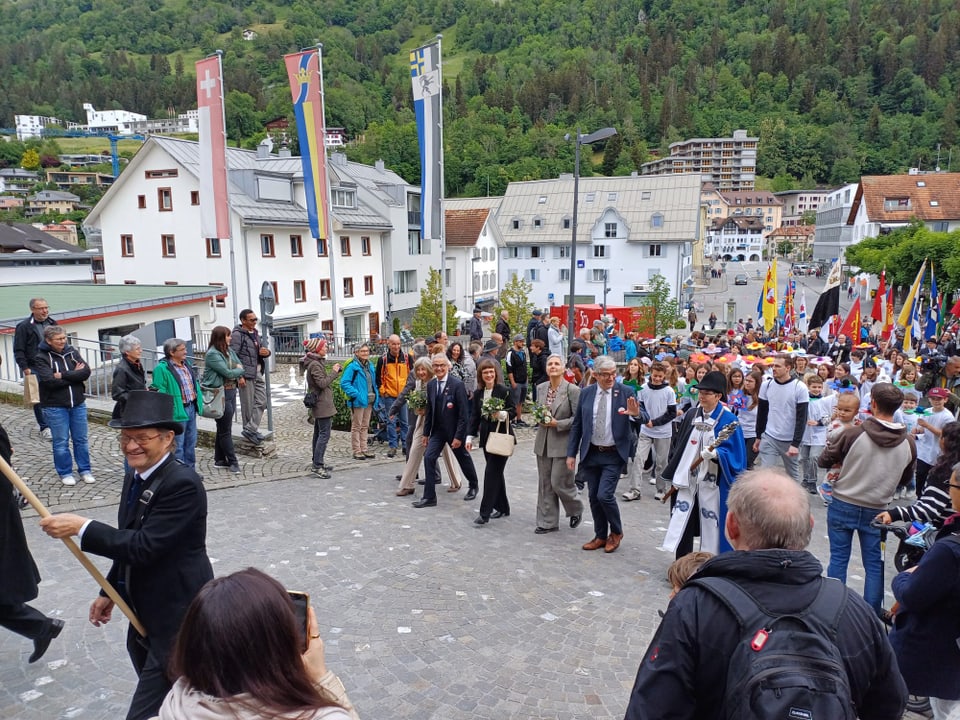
(515, 299)
(427, 317)
(241, 113)
(665, 305)
(784, 248)
(30, 160)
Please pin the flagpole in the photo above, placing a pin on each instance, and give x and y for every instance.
(443, 219)
(329, 194)
(233, 255)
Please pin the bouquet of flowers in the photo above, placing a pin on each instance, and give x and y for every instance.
(541, 413)
(492, 406)
(417, 400)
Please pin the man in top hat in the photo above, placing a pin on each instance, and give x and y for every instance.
(702, 474)
(159, 546)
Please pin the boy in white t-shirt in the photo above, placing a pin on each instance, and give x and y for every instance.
(928, 431)
(815, 434)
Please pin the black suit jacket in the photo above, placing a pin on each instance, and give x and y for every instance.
(19, 572)
(159, 549)
(452, 420)
(481, 426)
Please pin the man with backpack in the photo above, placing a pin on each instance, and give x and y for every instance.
(759, 633)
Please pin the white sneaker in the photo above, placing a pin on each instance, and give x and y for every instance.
(653, 481)
(659, 496)
(46, 434)
(633, 494)
(88, 478)
(69, 480)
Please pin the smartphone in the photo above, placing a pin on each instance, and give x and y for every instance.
(301, 601)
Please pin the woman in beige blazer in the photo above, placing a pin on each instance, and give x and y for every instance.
(550, 447)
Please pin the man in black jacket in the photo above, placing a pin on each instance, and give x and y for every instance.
(159, 546)
(683, 673)
(19, 572)
(26, 340)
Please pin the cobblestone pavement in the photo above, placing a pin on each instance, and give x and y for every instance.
(424, 614)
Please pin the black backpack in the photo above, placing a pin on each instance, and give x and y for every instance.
(785, 667)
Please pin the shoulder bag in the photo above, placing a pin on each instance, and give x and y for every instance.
(500, 442)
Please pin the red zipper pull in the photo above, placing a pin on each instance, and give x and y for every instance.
(759, 640)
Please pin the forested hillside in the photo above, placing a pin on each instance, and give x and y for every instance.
(834, 88)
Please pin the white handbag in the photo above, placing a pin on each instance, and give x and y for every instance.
(500, 443)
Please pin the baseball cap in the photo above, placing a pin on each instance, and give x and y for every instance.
(938, 392)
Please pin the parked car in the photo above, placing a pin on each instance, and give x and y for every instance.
(741, 279)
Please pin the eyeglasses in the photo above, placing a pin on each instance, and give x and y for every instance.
(140, 440)
(608, 374)
(954, 485)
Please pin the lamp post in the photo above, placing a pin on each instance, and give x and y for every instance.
(601, 134)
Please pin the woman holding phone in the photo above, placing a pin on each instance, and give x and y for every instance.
(494, 503)
(238, 656)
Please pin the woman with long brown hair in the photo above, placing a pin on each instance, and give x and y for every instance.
(494, 503)
(238, 656)
(222, 368)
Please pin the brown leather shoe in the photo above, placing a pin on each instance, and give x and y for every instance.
(613, 542)
(404, 491)
(595, 544)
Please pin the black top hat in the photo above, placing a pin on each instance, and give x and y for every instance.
(714, 381)
(147, 409)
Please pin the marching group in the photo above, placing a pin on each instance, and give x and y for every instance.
(706, 421)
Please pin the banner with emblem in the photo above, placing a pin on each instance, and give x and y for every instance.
(305, 73)
(425, 77)
(214, 204)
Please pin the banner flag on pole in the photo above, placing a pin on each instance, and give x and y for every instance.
(888, 322)
(305, 73)
(802, 312)
(770, 297)
(851, 326)
(425, 78)
(214, 203)
(828, 304)
(933, 310)
(876, 312)
(906, 312)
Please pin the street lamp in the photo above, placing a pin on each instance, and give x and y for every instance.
(601, 134)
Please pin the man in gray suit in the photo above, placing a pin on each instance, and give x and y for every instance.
(561, 398)
(602, 436)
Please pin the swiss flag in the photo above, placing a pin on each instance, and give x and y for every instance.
(214, 207)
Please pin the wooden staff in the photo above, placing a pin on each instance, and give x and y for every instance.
(41, 509)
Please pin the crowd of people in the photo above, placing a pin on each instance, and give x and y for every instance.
(737, 431)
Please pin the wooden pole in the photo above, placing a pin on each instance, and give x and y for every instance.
(41, 509)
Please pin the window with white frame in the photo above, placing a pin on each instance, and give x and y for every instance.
(565, 274)
(417, 245)
(654, 250)
(343, 198)
(531, 275)
(561, 251)
(404, 281)
(476, 281)
(656, 220)
(516, 223)
(512, 253)
(597, 275)
(566, 223)
(601, 251)
(537, 223)
(486, 281)
(536, 251)
(610, 230)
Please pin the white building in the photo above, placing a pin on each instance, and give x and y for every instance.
(735, 238)
(473, 252)
(833, 235)
(148, 224)
(117, 121)
(796, 203)
(31, 126)
(629, 230)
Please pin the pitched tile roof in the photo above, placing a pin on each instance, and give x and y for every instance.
(20, 236)
(463, 226)
(898, 198)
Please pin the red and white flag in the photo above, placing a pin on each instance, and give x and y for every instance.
(214, 207)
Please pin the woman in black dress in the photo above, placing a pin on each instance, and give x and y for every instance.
(494, 503)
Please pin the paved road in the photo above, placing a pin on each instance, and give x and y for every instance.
(424, 614)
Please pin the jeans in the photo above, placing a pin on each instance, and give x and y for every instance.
(223, 451)
(38, 414)
(321, 436)
(68, 424)
(843, 519)
(187, 441)
(772, 450)
(394, 438)
(253, 401)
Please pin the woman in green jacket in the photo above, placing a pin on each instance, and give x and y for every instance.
(222, 368)
(175, 376)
